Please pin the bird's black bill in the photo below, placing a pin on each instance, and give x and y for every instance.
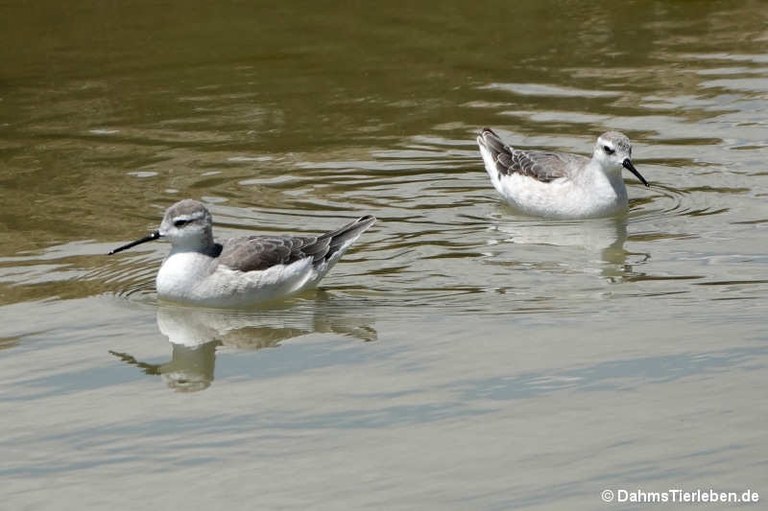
(627, 164)
(151, 237)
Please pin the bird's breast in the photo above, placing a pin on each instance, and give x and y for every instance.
(181, 272)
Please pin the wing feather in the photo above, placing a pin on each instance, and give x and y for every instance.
(257, 253)
(543, 166)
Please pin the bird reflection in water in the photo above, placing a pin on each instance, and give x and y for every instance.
(593, 245)
(196, 334)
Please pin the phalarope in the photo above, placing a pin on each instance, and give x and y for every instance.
(240, 271)
(561, 185)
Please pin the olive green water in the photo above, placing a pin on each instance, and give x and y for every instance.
(460, 356)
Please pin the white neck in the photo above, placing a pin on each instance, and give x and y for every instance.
(608, 184)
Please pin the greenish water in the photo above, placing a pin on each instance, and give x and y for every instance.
(460, 356)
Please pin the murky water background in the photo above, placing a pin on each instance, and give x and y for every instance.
(460, 356)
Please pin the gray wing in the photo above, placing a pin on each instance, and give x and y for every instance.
(540, 165)
(256, 253)
(543, 166)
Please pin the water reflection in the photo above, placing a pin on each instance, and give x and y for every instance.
(606, 235)
(592, 246)
(196, 334)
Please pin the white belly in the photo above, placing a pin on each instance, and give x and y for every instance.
(192, 278)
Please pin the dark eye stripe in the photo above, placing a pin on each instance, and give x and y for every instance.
(608, 150)
(180, 222)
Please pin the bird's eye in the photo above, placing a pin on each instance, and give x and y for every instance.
(608, 150)
(181, 222)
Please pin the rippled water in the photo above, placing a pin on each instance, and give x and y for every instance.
(460, 356)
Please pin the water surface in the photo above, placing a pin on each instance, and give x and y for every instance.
(460, 356)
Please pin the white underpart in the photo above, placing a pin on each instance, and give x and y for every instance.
(191, 277)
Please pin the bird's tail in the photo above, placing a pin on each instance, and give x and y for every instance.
(491, 149)
(328, 248)
(343, 237)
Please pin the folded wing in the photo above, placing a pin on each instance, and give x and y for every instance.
(258, 253)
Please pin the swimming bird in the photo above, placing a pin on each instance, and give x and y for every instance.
(561, 185)
(241, 271)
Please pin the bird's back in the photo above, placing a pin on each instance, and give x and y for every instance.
(544, 166)
(259, 253)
